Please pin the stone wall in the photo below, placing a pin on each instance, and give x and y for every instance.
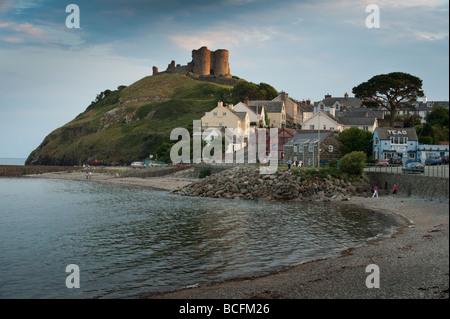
(21, 170)
(310, 159)
(411, 184)
(204, 62)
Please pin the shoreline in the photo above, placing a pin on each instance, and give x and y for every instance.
(413, 261)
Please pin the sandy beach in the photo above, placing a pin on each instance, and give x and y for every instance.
(118, 176)
(413, 262)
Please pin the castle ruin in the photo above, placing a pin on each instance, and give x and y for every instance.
(204, 62)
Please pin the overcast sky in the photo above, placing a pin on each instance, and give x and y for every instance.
(49, 73)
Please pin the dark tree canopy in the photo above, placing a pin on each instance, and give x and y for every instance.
(390, 90)
(439, 116)
(253, 91)
(355, 139)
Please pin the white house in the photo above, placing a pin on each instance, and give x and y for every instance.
(254, 118)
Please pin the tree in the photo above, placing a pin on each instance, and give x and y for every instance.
(439, 116)
(354, 139)
(390, 90)
(250, 90)
(353, 163)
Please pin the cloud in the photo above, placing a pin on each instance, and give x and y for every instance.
(225, 37)
(41, 34)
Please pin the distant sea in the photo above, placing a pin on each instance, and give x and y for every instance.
(12, 161)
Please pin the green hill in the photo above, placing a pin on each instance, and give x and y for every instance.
(127, 124)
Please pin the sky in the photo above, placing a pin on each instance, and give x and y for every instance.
(50, 73)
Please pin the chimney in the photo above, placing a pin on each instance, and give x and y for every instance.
(332, 111)
(246, 100)
(220, 103)
(327, 96)
(230, 106)
(346, 95)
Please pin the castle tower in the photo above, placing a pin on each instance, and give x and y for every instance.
(201, 60)
(220, 63)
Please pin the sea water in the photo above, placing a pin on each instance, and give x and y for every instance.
(132, 241)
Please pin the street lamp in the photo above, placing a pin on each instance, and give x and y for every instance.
(318, 143)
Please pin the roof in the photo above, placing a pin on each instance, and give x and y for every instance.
(345, 101)
(357, 120)
(271, 106)
(308, 135)
(259, 109)
(384, 133)
(241, 115)
(361, 112)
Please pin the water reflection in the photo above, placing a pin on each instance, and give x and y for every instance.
(129, 241)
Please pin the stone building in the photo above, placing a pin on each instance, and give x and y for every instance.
(204, 62)
(304, 147)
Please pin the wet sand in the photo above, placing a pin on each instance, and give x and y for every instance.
(413, 262)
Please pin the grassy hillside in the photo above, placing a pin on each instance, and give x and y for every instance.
(127, 124)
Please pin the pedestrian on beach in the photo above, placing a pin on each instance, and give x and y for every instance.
(289, 165)
(375, 192)
(394, 192)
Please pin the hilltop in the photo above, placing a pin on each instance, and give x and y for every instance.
(127, 124)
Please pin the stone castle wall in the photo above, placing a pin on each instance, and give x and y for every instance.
(204, 62)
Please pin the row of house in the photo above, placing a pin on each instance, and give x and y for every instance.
(316, 127)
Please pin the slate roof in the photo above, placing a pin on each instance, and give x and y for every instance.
(271, 106)
(383, 133)
(241, 115)
(307, 135)
(361, 112)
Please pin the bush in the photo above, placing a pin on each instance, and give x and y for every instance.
(204, 172)
(353, 163)
(308, 173)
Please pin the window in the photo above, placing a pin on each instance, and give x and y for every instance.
(332, 128)
(220, 124)
(376, 140)
(295, 148)
(330, 148)
(311, 146)
(206, 124)
(215, 113)
(224, 113)
(402, 140)
(366, 128)
(311, 127)
(300, 147)
(325, 127)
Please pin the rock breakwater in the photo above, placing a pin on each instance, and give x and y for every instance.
(248, 183)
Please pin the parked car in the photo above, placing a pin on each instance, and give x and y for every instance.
(395, 160)
(435, 160)
(138, 164)
(445, 160)
(381, 162)
(415, 160)
(413, 168)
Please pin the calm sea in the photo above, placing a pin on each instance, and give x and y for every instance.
(131, 241)
(12, 161)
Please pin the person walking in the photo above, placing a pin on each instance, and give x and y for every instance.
(289, 165)
(394, 192)
(375, 191)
